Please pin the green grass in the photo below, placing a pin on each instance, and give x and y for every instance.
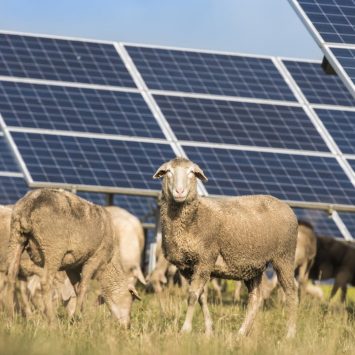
(321, 329)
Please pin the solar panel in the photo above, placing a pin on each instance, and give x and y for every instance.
(64, 60)
(242, 123)
(11, 189)
(346, 57)
(209, 73)
(349, 220)
(317, 86)
(77, 109)
(288, 177)
(341, 125)
(322, 223)
(331, 22)
(7, 160)
(140, 206)
(333, 19)
(91, 161)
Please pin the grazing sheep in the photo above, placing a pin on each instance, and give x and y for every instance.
(64, 232)
(130, 236)
(334, 259)
(246, 232)
(306, 250)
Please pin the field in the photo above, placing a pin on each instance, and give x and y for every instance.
(322, 329)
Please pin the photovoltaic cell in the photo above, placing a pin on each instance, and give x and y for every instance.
(241, 123)
(63, 60)
(317, 86)
(322, 223)
(206, 73)
(288, 177)
(140, 206)
(341, 126)
(7, 160)
(346, 57)
(349, 220)
(11, 189)
(88, 161)
(333, 19)
(76, 109)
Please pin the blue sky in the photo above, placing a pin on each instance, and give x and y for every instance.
(250, 26)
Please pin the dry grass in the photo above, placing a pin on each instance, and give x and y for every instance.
(156, 321)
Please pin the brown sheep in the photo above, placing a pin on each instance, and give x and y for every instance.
(246, 232)
(334, 259)
(130, 237)
(64, 232)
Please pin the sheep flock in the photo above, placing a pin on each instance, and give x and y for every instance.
(252, 267)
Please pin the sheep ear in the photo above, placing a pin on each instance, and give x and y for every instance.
(199, 173)
(161, 171)
(134, 293)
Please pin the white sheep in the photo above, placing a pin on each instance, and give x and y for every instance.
(247, 232)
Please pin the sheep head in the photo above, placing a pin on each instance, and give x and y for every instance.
(180, 179)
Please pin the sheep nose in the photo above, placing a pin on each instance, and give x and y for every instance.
(179, 190)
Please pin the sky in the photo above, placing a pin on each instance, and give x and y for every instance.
(269, 27)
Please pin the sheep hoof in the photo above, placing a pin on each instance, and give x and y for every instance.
(291, 332)
(186, 328)
(208, 332)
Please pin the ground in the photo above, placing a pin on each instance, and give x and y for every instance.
(321, 329)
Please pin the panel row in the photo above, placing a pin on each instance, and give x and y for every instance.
(208, 73)
(241, 123)
(89, 161)
(288, 177)
(64, 60)
(317, 86)
(126, 164)
(333, 19)
(76, 109)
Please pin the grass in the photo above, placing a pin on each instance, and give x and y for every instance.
(322, 329)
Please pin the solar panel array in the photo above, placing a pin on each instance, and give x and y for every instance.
(331, 22)
(100, 116)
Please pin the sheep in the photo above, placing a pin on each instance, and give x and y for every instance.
(334, 259)
(130, 237)
(247, 233)
(29, 281)
(61, 231)
(306, 250)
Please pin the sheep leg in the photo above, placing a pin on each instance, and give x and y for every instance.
(47, 282)
(87, 273)
(196, 288)
(302, 280)
(285, 275)
(25, 298)
(218, 289)
(341, 280)
(206, 313)
(236, 296)
(74, 277)
(343, 293)
(254, 302)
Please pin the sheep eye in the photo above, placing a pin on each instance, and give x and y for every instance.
(169, 173)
